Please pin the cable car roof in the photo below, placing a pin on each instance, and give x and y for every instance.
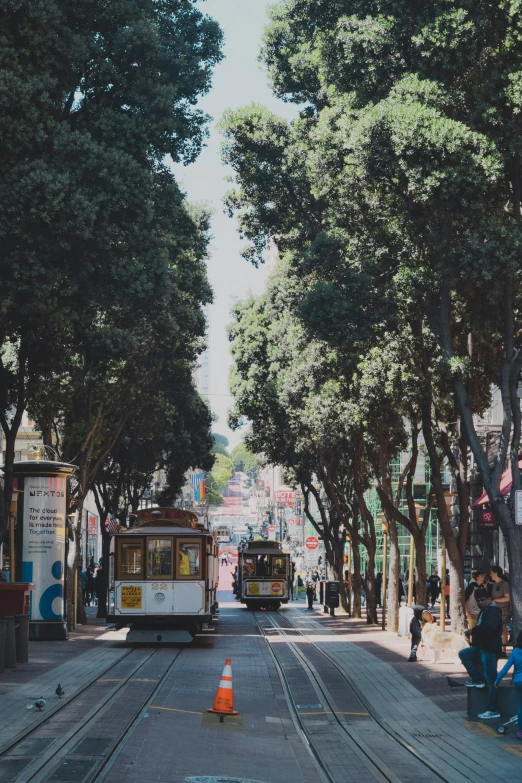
(162, 529)
(166, 517)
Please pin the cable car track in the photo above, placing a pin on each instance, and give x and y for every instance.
(59, 751)
(379, 768)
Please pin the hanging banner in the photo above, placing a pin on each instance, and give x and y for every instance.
(93, 525)
(43, 553)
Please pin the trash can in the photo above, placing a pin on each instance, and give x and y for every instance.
(331, 596)
(15, 598)
(3, 629)
(21, 622)
(10, 643)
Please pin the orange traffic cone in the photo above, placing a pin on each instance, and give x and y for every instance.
(224, 701)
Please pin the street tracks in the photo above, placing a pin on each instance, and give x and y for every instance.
(339, 727)
(80, 740)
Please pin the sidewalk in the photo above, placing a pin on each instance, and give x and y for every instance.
(44, 656)
(413, 699)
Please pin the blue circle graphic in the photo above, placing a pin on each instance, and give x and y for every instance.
(57, 569)
(46, 602)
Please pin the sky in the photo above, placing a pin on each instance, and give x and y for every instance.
(238, 80)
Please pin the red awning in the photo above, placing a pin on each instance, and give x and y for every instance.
(505, 486)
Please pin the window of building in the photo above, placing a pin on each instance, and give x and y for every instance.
(130, 563)
(189, 559)
(159, 557)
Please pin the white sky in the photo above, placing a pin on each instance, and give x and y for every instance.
(238, 80)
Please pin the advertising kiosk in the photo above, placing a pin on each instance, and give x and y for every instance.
(41, 538)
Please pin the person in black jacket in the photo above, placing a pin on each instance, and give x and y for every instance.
(310, 594)
(420, 617)
(486, 647)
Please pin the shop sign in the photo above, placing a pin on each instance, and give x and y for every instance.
(93, 526)
(285, 497)
(487, 521)
(518, 507)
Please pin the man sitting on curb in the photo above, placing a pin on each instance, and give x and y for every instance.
(486, 647)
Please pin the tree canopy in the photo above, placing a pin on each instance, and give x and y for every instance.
(395, 196)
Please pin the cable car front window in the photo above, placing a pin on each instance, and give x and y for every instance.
(262, 566)
(278, 566)
(189, 559)
(131, 560)
(249, 566)
(159, 557)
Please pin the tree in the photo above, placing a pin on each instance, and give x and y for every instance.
(222, 472)
(92, 102)
(441, 79)
(244, 460)
(392, 201)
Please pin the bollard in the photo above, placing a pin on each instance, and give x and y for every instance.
(22, 637)
(3, 626)
(10, 643)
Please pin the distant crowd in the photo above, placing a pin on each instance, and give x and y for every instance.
(91, 583)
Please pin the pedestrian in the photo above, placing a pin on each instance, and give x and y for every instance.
(433, 586)
(447, 595)
(378, 589)
(300, 582)
(292, 578)
(98, 585)
(478, 579)
(83, 581)
(401, 587)
(310, 594)
(90, 586)
(501, 597)
(420, 617)
(485, 649)
(515, 660)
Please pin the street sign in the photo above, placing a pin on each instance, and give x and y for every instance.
(271, 528)
(312, 542)
(518, 507)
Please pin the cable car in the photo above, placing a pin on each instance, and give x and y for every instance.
(264, 573)
(163, 576)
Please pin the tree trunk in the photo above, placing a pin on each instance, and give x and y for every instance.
(344, 593)
(73, 563)
(513, 535)
(392, 606)
(421, 590)
(371, 596)
(356, 556)
(7, 494)
(102, 597)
